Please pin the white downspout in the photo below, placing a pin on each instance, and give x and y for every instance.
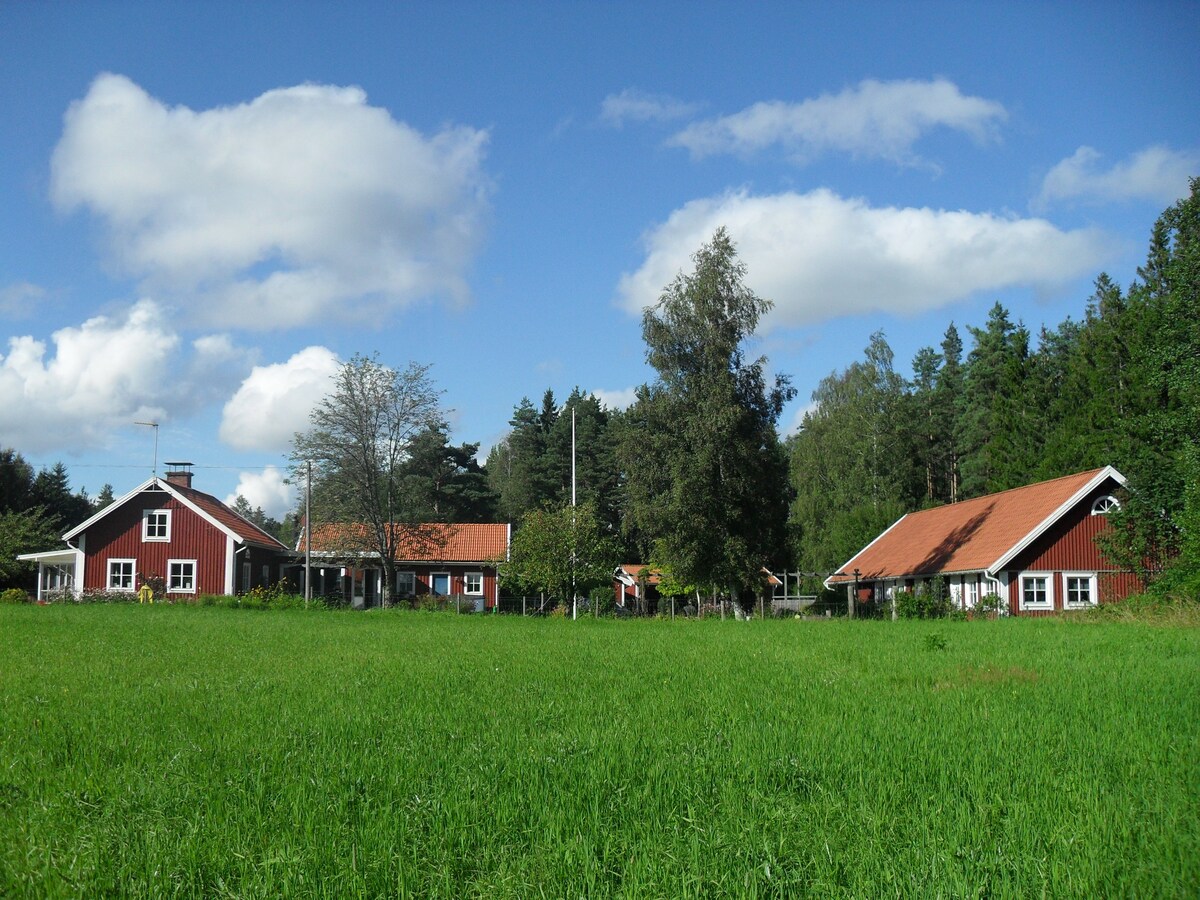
(1001, 592)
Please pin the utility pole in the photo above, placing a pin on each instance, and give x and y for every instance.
(574, 593)
(308, 533)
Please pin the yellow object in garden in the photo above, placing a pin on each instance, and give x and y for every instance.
(145, 594)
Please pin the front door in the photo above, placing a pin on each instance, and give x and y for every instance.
(439, 584)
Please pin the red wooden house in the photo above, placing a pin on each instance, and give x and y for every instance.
(432, 559)
(1033, 547)
(167, 529)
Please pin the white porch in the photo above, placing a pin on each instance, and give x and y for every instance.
(58, 570)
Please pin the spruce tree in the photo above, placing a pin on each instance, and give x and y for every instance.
(719, 515)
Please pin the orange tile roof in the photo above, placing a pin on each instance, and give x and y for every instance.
(969, 536)
(431, 542)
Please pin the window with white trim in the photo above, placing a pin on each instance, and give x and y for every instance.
(120, 574)
(972, 587)
(473, 583)
(1104, 505)
(156, 525)
(1079, 589)
(181, 576)
(406, 584)
(1037, 592)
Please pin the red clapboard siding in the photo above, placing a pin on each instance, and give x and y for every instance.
(119, 536)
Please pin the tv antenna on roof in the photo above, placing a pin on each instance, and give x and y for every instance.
(153, 425)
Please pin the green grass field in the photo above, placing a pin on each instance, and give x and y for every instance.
(199, 752)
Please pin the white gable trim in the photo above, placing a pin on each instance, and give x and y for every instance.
(146, 485)
(843, 568)
(1043, 526)
(119, 502)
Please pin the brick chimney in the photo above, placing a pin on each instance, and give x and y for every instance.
(179, 473)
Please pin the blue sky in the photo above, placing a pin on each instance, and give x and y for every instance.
(205, 207)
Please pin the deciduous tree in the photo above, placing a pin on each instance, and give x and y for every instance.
(361, 435)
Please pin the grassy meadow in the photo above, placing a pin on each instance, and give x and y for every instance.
(201, 752)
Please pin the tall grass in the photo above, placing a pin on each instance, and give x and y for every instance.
(167, 751)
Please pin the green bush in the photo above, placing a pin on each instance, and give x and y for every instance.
(930, 601)
(14, 595)
(1178, 584)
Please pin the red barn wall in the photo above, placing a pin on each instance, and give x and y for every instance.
(1070, 546)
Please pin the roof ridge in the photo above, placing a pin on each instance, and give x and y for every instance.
(1090, 473)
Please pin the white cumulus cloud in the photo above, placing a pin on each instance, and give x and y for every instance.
(274, 401)
(876, 119)
(299, 204)
(819, 255)
(1156, 173)
(632, 105)
(101, 376)
(618, 399)
(268, 490)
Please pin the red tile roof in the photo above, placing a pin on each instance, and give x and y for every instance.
(970, 536)
(466, 542)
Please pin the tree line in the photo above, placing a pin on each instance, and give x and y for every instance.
(694, 476)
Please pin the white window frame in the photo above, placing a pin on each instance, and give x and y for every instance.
(247, 575)
(409, 576)
(467, 589)
(132, 563)
(972, 592)
(146, 514)
(171, 588)
(1104, 505)
(1093, 587)
(1048, 603)
(956, 592)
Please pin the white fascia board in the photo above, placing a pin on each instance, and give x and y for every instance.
(51, 557)
(1043, 526)
(112, 507)
(864, 550)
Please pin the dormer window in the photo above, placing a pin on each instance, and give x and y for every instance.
(156, 525)
(1104, 505)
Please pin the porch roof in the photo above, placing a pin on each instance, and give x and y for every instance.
(63, 557)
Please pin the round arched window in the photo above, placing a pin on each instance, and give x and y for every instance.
(1104, 505)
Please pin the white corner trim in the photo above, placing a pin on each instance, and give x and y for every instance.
(1043, 526)
(229, 561)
